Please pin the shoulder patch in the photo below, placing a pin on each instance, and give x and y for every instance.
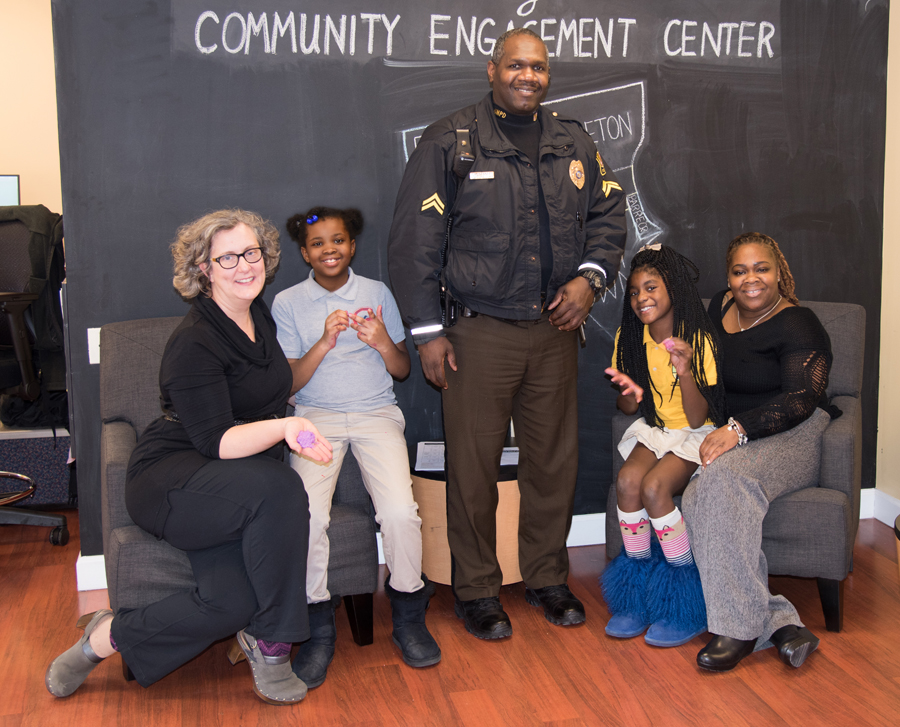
(609, 185)
(435, 202)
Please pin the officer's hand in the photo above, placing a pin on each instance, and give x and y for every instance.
(432, 356)
(573, 302)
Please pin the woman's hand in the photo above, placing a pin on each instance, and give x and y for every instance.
(626, 385)
(680, 355)
(320, 451)
(337, 321)
(716, 444)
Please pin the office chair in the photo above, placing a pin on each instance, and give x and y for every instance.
(30, 332)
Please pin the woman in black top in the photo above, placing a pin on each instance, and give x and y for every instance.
(775, 358)
(208, 477)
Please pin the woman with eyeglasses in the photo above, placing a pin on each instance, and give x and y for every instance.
(208, 478)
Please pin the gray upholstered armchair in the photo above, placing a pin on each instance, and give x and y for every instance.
(790, 527)
(141, 569)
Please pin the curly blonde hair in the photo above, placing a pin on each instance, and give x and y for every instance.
(194, 240)
(786, 280)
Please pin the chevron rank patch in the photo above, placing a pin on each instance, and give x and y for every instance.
(602, 168)
(609, 185)
(434, 201)
(576, 173)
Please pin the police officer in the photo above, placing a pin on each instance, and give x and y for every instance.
(524, 238)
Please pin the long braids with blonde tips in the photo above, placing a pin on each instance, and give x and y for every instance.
(786, 279)
(691, 324)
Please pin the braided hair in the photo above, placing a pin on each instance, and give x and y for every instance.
(691, 324)
(786, 282)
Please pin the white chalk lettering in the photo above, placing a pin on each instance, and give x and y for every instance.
(389, 26)
(208, 15)
(711, 41)
(461, 36)
(729, 27)
(715, 44)
(610, 128)
(742, 38)
(530, 4)
(567, 31)
(685, 38)
(547, 38)
(255, 26)
(605, 40)
(627, 22)
(435, 20)
(234, 16)
(669, 51)
(338, 35)
(370, 18)
(486, 50)
(583, 38)
(279, 29)
(314, 46)
(352, 35)
(766, 31)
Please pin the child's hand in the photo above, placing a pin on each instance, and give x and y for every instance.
(680, 355)
(336, 322)
(625, 384)
(371, 330)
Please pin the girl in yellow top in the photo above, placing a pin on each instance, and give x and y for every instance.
(665, 364)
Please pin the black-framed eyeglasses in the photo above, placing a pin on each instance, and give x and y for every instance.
(253, 255)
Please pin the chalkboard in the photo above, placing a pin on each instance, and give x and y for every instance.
(719, 118)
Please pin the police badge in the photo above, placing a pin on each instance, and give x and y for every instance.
(576, 173)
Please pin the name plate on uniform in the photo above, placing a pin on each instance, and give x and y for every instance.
(481, 175)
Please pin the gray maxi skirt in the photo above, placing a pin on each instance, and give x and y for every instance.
(724, 509)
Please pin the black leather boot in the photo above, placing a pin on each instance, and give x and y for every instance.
(417, 646)
(311, 662)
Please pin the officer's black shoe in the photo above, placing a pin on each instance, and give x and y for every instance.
(484, 618)
(561, 608)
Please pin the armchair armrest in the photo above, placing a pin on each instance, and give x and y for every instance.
(117, 441)
(841, 467)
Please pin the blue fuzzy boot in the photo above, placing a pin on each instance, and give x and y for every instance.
(675, 605)
(624, 584)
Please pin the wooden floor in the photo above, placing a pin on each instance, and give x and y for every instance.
(543, 675)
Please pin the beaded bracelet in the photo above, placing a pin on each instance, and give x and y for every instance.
(733, 427)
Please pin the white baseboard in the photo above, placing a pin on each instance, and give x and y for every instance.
(585, 530)
(90, 572)
(880, 505)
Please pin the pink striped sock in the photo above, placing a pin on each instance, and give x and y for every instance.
(635, 527)
(673, 538)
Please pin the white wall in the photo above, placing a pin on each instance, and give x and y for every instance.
(888, 471)
(29, 138)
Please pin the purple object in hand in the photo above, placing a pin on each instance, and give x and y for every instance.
(306, 439)
(669, 344)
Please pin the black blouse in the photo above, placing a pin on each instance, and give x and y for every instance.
(211, 375)
(775, 373)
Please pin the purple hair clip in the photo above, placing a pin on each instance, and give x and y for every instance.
(311, 219)
(306, 439)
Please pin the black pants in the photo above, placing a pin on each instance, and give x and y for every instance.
(244, 524)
